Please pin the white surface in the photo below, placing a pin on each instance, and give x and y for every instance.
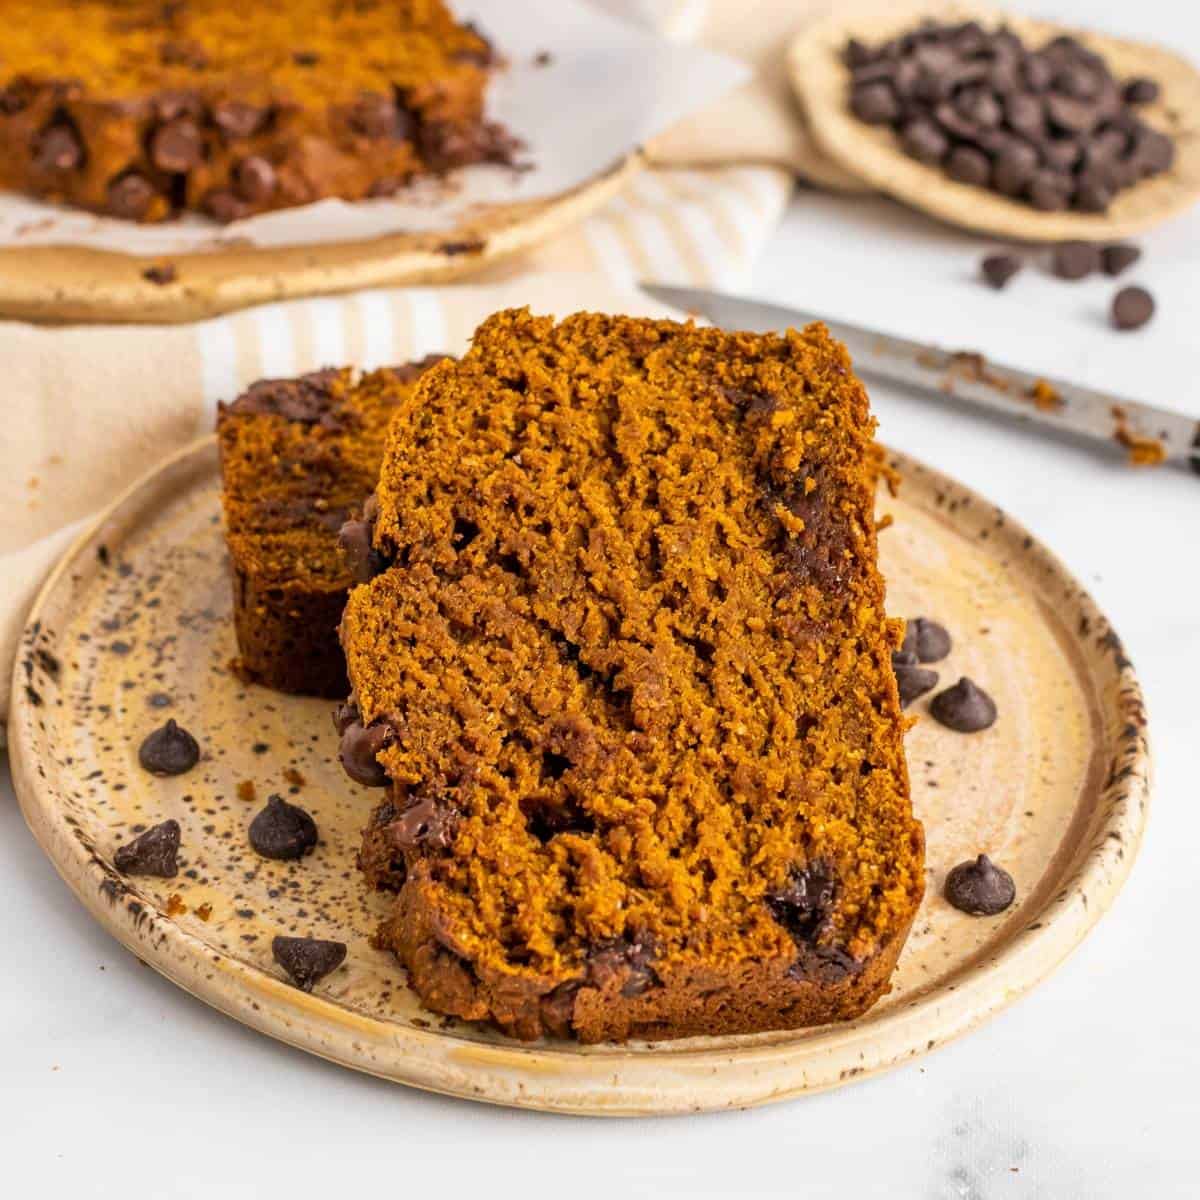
(590, 51)
(113, 1082)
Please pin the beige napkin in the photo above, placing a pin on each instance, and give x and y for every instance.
(92, 409)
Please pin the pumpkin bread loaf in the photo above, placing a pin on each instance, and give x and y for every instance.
(142, 109)
(626, 674)
(298, 458)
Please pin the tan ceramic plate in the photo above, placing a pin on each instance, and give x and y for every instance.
(71, 283)
(133, 627)
(819, 79)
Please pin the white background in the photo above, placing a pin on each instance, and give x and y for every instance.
(113, 1081)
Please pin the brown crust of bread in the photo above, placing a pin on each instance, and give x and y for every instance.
(685, 1001)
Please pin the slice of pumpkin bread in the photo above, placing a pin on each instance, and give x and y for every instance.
(298, 457)
(627, 675)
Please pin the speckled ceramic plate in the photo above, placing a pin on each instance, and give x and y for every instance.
(72, 283)
(820, 78)
(134, 627)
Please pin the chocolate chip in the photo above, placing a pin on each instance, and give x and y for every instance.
(1153, 152)
(161, 274)
(1075, 260)
(1014, 168)
(802, 906)
(428, 824)
(1093, 196)
(979, 887)
(59, 148)
(362, 559)
(155, 852)
(1141, 91)
(928, 640)
(1132, 307)
(177, 146)
(875, 103)
(627, 959)
(381, 117)
(305, 58)
(130, 196)
(345, 715)
(912, 681)
(358, 750)
(170, 750)
(1050, 191)
(236, 119)
(282, 831)
(965, 707)
(222, 205)
(307, 960)
(1119, 257)
(254, 179)
(998, 269)
(924, 141)
(968, 165)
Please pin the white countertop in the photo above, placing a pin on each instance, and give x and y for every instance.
(116, 1082)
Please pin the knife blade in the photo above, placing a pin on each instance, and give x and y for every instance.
(1146, 434)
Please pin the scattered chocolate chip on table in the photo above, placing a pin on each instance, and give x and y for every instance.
(1075, 260)
(1119, 257)
(1132, 307)
(998, 269)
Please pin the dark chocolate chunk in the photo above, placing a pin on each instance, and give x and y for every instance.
(161, 274)
(627, 959)
(1093, 195)
(968, 165)
(802, 906)
(923, 140)
(254, 179)
(380, 117)
(998, 269)
(358, 749)
(428, 824)
(363, 560)
(222, 205)
(307, 960)
(965, 707)
(979, 887)
(928, 640)
(1050, 191)
(1132, 307)
(237, 119)
(913, 681)
(1141, 91)
(1119, 257)
(59, 148)
(1014, 168)
(1075, 260)
(875, 103)
(154, 852)
(282, 830)
(130, 196)
(177, 146)
(1025, 113)
(170, 750)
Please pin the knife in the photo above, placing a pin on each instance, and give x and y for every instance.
(1147, 435)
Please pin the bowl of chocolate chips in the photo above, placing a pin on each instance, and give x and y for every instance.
(1002, 124)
